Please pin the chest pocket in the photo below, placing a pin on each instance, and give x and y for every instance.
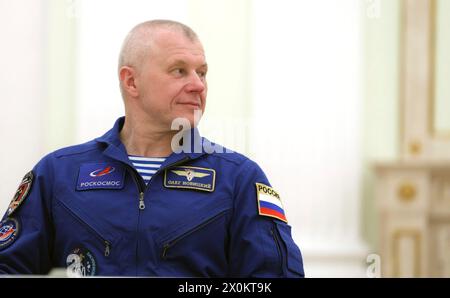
(196, 246)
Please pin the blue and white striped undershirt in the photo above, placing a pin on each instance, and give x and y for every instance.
(146, 166)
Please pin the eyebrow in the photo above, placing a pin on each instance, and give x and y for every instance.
(182, 62)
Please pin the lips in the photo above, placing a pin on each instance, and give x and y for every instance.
(191, 103)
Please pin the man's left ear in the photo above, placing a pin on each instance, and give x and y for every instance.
(127, 79)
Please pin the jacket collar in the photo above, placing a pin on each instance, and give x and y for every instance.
(116, 150)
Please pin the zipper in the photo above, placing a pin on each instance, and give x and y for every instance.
(138, 180)
(277, 243)
(106, 243)
(189, 232)
(107, 248)
(141, 201)
(141, 189)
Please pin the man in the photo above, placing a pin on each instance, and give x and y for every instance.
(146, 200)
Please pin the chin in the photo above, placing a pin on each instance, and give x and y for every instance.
(191, 115)
(185, 121)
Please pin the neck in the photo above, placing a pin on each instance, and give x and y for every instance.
(140, 138)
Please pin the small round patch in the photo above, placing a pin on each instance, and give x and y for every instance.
(21, 193)
(80, 262)
(9, 230)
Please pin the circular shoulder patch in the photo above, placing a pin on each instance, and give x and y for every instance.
(21, 193)
(9, 230)
(80, 262)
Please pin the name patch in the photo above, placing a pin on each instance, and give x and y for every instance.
(101, 176)
(190, 178)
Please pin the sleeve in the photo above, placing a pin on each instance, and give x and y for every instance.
(261, 243)
(26, 230)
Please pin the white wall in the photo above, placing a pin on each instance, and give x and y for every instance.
(306, 132)
(22, 94)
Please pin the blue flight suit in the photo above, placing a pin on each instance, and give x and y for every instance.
(208, 227)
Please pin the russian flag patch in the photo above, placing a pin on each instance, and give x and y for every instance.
(269, 202)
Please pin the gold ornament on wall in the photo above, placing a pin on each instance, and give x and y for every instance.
(406, 192)
(415, 148)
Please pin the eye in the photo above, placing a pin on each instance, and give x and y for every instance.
(179, 71)
(201, 74)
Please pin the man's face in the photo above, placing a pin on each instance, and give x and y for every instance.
(172, 80)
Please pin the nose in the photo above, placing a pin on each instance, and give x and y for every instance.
(196, 83)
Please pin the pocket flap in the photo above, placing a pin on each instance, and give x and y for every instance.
(294, 256)
(190, 225)
(85, 219)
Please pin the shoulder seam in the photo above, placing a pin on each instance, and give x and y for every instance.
(60, 155)
(242, 160)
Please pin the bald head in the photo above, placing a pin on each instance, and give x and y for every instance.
(137, 44)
